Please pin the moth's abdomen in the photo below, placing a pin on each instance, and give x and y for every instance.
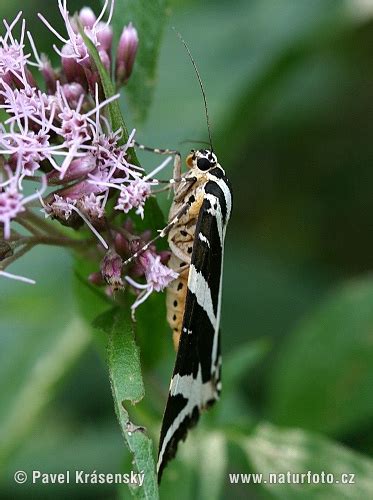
(176, 294)
(181, 240)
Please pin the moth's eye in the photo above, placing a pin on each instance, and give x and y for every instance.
(203, 164)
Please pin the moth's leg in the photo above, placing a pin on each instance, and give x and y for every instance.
(177, 177)
(157, 151)
(177, 168)
(177, 161)
(188, 181)
(183, 190)
(183, 210)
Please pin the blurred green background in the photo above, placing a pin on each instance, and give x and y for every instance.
(290, 93)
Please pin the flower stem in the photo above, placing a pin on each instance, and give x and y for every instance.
(30, 242)
(39, 223)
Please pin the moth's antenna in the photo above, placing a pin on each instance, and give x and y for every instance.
(194, 141)
(200, 83)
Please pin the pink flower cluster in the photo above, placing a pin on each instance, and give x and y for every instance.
(149, 265)
(58, 135)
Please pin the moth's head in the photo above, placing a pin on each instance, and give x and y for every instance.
(202, 160)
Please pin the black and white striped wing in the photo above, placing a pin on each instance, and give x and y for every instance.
(195, 383)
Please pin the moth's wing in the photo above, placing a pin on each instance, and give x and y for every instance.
(195, 383)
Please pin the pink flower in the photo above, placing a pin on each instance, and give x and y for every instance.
(74, 126)
(12, 58)
(133, 195)
(92, 206)
(158, 277)
(10, 206)
(12, 203)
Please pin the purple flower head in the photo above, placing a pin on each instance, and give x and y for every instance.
(126, 53)
(60, 207)
(93, 207)
(133, 195)
(59, 135)
(158, 276)
(74, 127)
(12, 202)
(12, 58)
(10, 206)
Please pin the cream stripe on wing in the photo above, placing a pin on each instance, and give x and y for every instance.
(197, 394)
(199, 286)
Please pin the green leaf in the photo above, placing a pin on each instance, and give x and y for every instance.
(199, 467)
(149, 19)
(240, 361)
(152, 330)
(273, 450)
(213, 463)
(323, 377)
(127, 385)
(234, 409)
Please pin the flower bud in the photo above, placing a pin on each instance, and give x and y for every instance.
(30, 79)
(121, 245)
(72, 91)
(104, 36)
(49, 75)
(77, 191)
(74, 71)
(126, 53)
(78, 168)
(111, 270)
(95, 278)
(87, 17)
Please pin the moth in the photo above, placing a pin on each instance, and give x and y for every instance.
(197, 225)
(196, 229)
(199, 215)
